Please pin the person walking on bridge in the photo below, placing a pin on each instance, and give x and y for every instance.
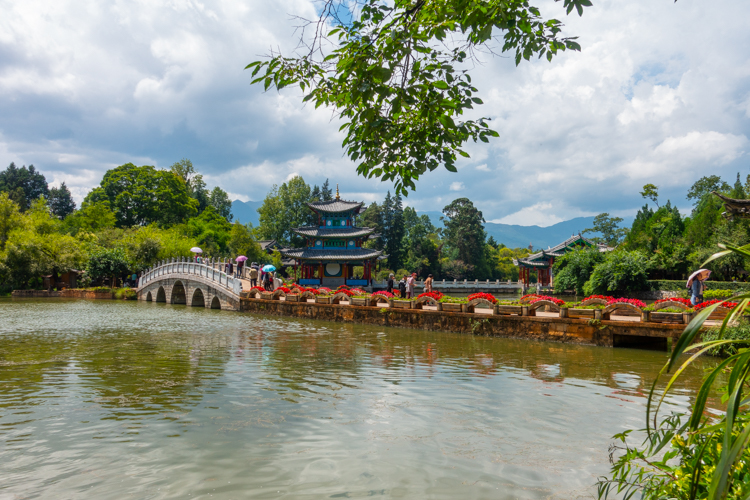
(253, 275)
(428, 284)
(411, 282)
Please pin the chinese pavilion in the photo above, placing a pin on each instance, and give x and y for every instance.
(542, 261)
(334, 246)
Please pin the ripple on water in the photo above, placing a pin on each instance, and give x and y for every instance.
(109, 399)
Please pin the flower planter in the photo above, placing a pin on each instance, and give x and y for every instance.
(581, 313)
(291, 298)
(266, 295)
(322, 299)
(511, 310)
(401, 304)
(527, 311)
(687, 317)
(359, 301)
(662, 317)
(453, 307)
(645, 316)
(564, 312)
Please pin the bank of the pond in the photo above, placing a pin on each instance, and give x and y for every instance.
(577, 331)
(78, 293)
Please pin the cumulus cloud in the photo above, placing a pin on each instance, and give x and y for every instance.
(659, 94)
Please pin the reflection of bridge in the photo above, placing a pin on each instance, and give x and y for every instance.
(179, 281)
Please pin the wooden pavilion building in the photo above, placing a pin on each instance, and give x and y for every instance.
(334, 247)
(542, 262)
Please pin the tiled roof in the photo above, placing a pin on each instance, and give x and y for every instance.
(330, 253)
(336, 232)
(335, 206)
(541, 258)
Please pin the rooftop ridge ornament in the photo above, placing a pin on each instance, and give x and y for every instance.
(734, 207)
(337, 191)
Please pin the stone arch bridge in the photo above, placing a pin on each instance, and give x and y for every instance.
(179, 281)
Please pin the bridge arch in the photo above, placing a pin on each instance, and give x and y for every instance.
(148, 297)
(215, 303)
(179, 295)
(161, 295)
(198, 299)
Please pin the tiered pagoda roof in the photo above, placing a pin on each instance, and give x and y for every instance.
(334, 232)
(337, 205)
(331, 253)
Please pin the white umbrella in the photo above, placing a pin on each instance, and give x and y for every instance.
(700, 274)
(196, 250)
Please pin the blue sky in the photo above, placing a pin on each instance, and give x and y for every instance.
(660, 94)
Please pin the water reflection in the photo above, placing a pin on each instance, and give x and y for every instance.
(110, 399)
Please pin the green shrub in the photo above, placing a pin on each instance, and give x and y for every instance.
(717, 294)
(126, 294)
(741, 331)
(574, 269)
(101, 289)
(620, 273)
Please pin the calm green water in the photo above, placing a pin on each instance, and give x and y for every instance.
(149, 401)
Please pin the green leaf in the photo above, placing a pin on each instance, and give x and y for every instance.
(440, 84)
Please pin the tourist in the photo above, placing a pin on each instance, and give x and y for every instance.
(389, 288)
(428, 284)
(240, 265)
(697, 285)
(230, 268)
(253, 275)
(402, 287)
(411, 282)
(267, 282)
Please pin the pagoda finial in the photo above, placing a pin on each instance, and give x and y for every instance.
(337, 192)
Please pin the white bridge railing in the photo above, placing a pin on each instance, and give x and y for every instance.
(208, 270)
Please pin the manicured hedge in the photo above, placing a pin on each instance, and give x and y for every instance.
(678, 286)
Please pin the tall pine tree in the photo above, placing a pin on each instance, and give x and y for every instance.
(325, 192)
(61, 201)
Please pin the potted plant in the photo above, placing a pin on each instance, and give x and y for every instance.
(509, 308)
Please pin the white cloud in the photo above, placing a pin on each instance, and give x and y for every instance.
(539, 214)
(659, 94)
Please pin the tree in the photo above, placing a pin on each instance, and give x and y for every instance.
(61, 201)
(92, 217)
(420, 243)
(242, 242)
(620, 272)
(284, 209)
(703, 187)
(651, 192)
(609, 228)
(196, 187)
(373, 217)
(464, 231)
(10, 218)
(23, 185)
(143, 195)
(393, 229)
(396, 78)
(574, 269)
(211, 231)
(326, 194)
(221, 202)
(107, 263)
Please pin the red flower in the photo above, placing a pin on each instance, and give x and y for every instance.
(343, 287)
(633, 302)
(432, 295)
(258, 288)
(284, 289)
(345, 291)
(384, 294)
(603, 297)
(324, 290)
(482, 295)
(703, 305)
(559, 302)
(675, 299)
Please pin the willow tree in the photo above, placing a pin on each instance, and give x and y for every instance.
(397, 74)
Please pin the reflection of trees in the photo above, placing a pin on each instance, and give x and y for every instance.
(152, 373)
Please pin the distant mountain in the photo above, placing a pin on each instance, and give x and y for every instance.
(515, 236)
(246, 211)
(510, 235)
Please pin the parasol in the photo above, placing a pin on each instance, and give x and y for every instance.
(241, 258)
(701, 274)
(268, 268)
(196, 250)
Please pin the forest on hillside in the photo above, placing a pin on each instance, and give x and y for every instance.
(138, 215)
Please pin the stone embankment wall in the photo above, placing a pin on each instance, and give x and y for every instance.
(579, 331)
(68, 294)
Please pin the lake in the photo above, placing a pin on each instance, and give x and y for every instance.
(111, 399)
